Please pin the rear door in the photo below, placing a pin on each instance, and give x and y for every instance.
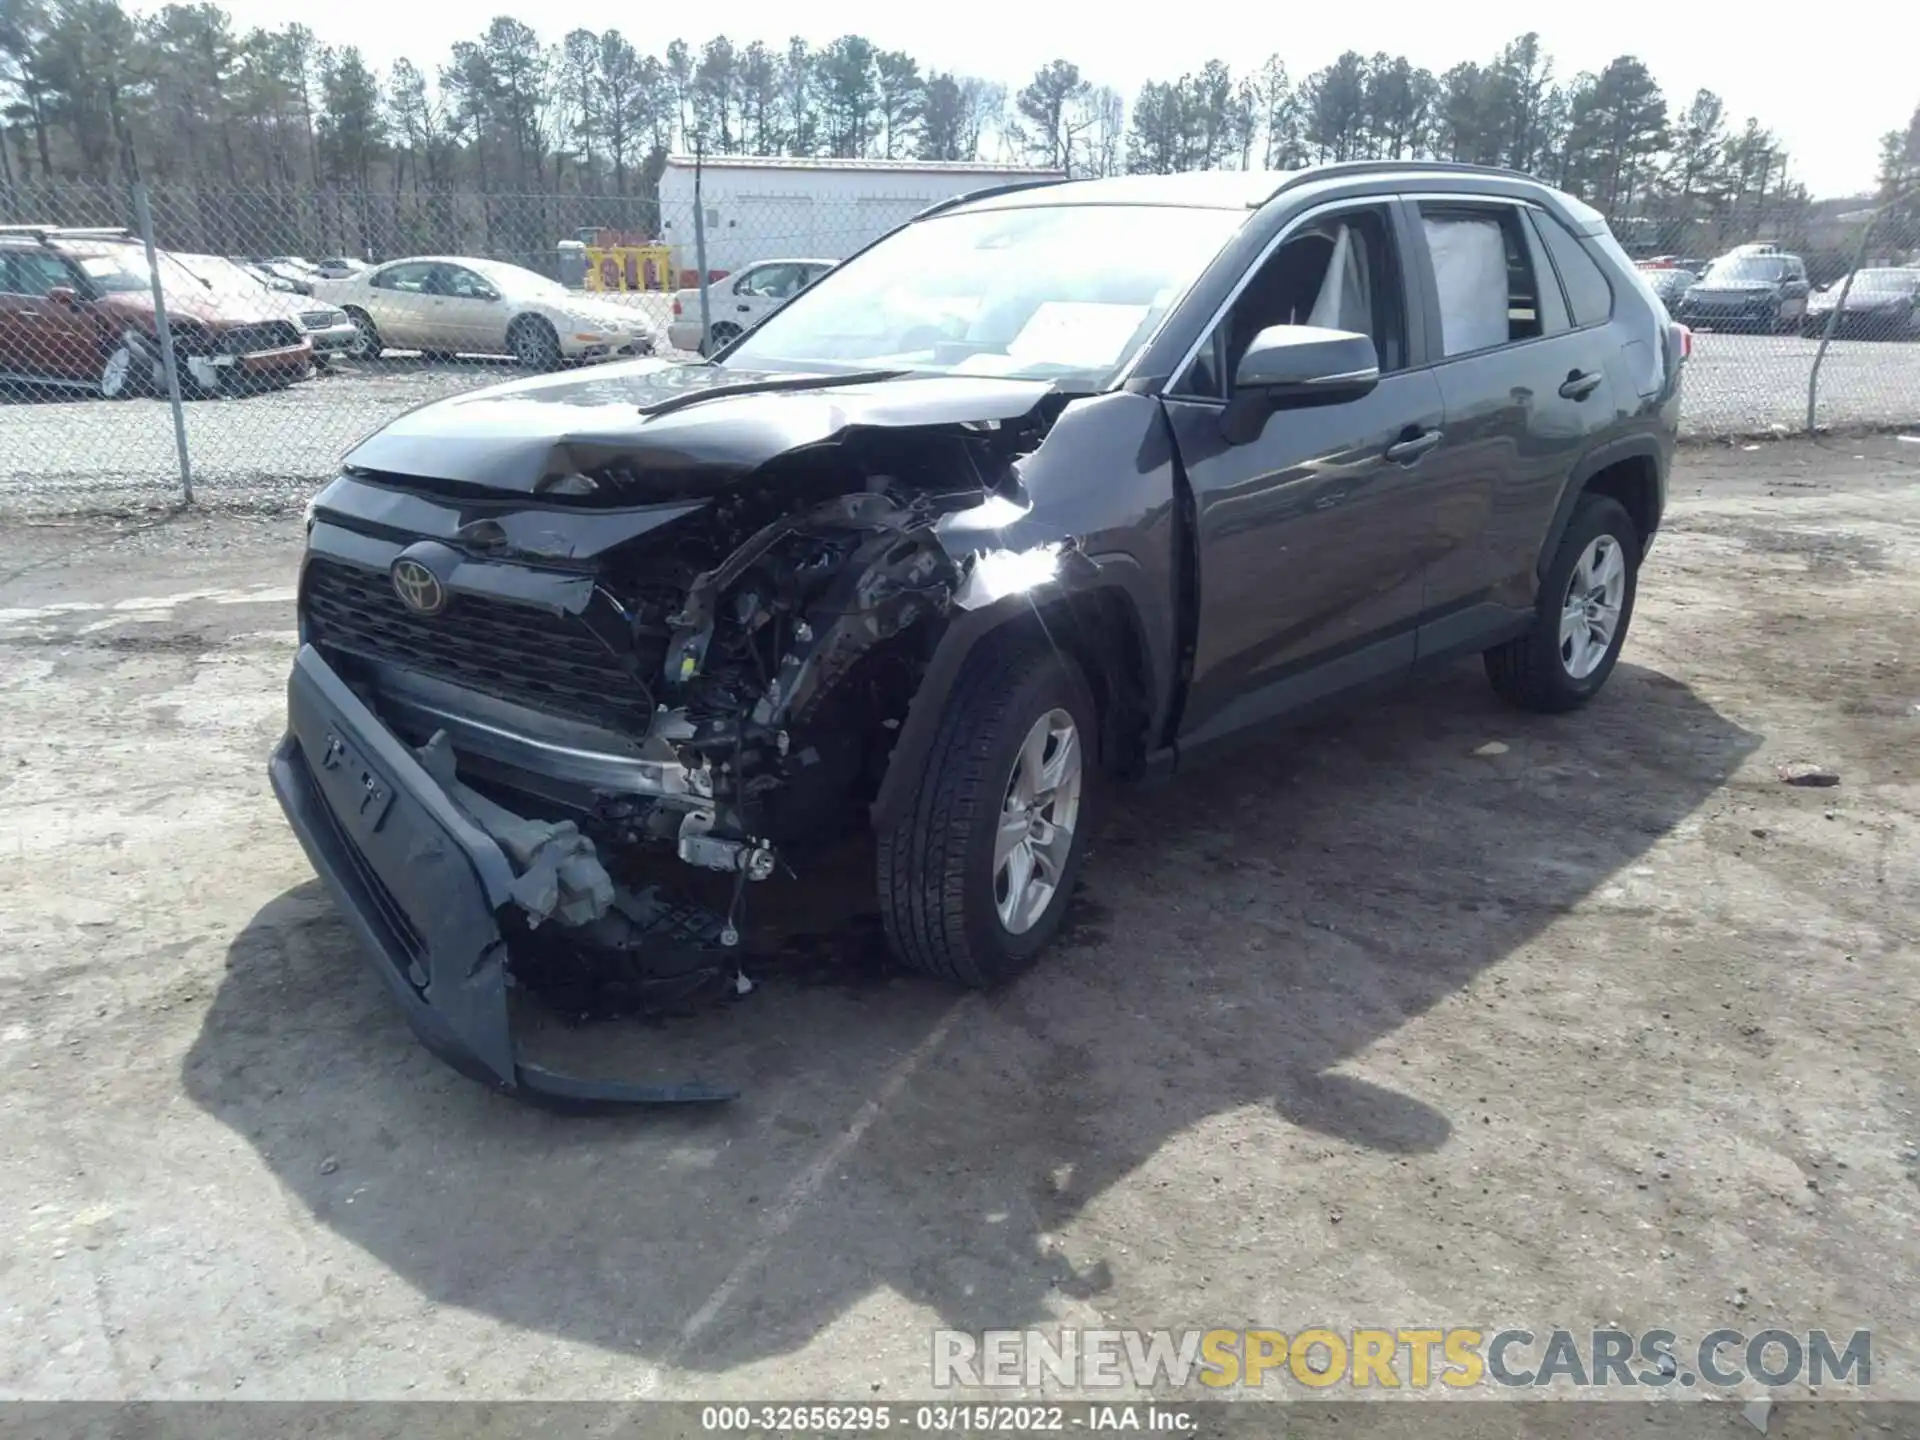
(1526, 392)
(398, 299)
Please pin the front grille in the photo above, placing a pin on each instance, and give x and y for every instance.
(321, 319)
(514, 652)
(268, 335)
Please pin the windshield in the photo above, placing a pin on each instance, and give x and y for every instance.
(1897, 282)
(217, 272)
(120, 269)
(1748, 269)
(1051, 292)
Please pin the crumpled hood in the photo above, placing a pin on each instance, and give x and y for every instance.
(516, 436)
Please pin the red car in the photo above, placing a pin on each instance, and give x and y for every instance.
(76, 310)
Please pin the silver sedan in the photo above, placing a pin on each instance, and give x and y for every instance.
(456, 305)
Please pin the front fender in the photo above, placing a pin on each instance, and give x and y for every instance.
(1058, 585)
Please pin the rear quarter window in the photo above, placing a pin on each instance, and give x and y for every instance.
(1589, 296)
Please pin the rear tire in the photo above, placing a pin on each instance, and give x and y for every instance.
(1581, 617)
(534, 343)
(968, 892)
(722, 335)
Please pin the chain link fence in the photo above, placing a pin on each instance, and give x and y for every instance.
(294, 335)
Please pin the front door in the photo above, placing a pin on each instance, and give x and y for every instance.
(466, 313)
(1312, 537)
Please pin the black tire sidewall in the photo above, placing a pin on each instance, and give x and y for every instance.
(1594, 517)
(1052, 683)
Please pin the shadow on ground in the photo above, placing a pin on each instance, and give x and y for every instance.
(1245, 932)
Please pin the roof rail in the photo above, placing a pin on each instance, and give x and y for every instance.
(1008, 189)
(72, 232)
(1380, 167)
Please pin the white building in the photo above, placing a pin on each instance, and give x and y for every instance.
(769, 207)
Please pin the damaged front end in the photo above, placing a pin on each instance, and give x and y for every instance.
(520, 716)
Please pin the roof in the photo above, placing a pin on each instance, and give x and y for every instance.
(1195, 189)
(1251, 189)
(810, 162)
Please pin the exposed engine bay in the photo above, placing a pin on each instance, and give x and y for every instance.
(719, 688)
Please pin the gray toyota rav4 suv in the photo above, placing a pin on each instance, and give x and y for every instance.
(1056, 486)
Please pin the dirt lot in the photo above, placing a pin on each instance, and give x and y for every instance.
(1377, 1024)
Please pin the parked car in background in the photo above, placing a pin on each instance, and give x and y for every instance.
(296, 278)
(1882, 304)
(1752, 287)
(739, 302)
(1176, 458)
(327, 327)
(456, 305)
(1669, 283)
(76, 310)
(339, 267)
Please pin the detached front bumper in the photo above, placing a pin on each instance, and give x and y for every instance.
(421, 885)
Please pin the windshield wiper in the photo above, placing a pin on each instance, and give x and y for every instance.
(763, 387)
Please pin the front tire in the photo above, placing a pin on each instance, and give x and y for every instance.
(534, 343)
(975, 878)
(366, 344)
(1581, 618)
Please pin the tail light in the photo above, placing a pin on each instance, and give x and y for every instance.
(1684, 339)
(676, 305)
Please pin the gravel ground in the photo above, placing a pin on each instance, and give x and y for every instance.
(60, 454)
(1433, 1014)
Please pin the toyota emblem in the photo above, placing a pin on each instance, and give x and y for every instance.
(418, 587)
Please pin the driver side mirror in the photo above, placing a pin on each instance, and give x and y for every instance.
(63, 295)
(1294, 366)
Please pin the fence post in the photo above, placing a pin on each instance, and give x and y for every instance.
(1840, 303)
(700, 255)
(1833, 320)
(143, 213)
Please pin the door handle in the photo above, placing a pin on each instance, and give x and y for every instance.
(1405, 452)
(742, 308)
(1578, 386)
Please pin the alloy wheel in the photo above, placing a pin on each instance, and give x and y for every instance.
(1590, 611)
(1037, 819)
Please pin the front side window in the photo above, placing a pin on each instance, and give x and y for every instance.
(1484, 277)
(1339, 272)
(1065, 293)
(462, 284)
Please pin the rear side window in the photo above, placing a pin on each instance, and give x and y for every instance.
(1484, 277)
(1588, 294)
